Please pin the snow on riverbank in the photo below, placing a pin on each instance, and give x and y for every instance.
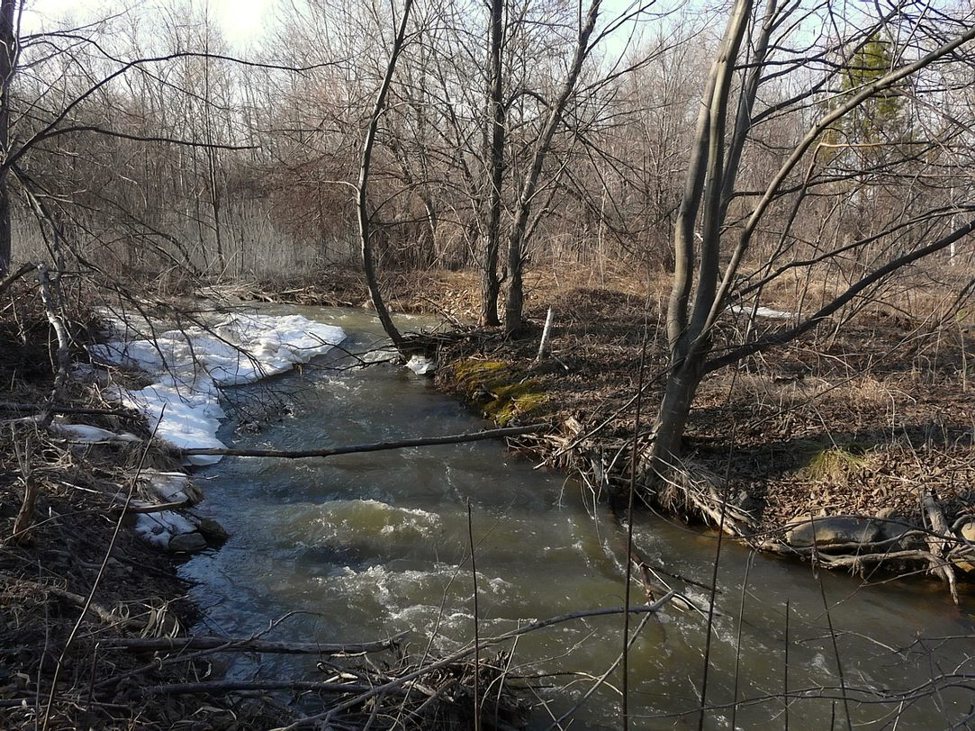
(766, 312)
(189, 366)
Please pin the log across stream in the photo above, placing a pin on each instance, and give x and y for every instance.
(364, 546)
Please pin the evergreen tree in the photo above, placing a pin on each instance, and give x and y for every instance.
(880, 119)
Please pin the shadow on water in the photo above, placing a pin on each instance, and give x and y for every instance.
(366, 545)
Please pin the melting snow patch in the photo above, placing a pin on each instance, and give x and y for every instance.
(85, 434)
(190, 365)
(421, 365)
(766, 312)
(160, 528)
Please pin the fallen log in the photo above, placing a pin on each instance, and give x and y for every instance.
(245, 644)
(219, 687)
(371, 447)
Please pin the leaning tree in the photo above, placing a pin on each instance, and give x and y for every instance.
(739, 230)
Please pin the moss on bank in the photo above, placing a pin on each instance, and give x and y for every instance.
(501, 393)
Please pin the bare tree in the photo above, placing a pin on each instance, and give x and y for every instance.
(490, 283)
(708, 236)
(9, 50)
(514, 305)
(362, 201)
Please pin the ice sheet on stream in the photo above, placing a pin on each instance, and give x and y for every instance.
(190, 365)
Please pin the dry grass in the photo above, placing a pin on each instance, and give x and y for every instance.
(72, 572)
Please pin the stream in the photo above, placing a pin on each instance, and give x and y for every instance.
(362, 546)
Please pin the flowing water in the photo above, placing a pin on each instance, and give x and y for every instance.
(362, 546)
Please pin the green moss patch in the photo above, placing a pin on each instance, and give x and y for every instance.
(501, 393)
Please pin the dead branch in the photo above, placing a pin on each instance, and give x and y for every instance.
(245, 644)
(371, 447)
(63, 409)
(396, 683)
(8, 281)
(57, 323)
(76, 599)
(219, 687)
(140, 508)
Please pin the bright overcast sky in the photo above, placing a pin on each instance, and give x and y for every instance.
(240, 20)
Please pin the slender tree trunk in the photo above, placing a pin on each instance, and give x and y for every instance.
(716, 159)
(490, 283)
(672, 418)
(514, 306)
(362, 200)
(8, 66)
(211, 153)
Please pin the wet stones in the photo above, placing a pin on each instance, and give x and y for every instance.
(214, 533)
(187, 543)
(834, 532)
(967, 531)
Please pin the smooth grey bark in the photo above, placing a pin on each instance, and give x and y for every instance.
(362, 202)
(704, 188)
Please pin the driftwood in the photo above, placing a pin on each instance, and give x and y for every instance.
(371, 447)
(936, 543)
(245, 644)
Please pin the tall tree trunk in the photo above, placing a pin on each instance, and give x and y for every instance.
(8, 66)
(211, 151)
(490, 283)
(689, 333)
(362, 200)
(516, 240)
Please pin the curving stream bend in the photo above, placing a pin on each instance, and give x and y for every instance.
(366, 545)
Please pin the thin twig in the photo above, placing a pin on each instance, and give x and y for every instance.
(470, 650)
(245, 644)
(477, 642)
(631, 497)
